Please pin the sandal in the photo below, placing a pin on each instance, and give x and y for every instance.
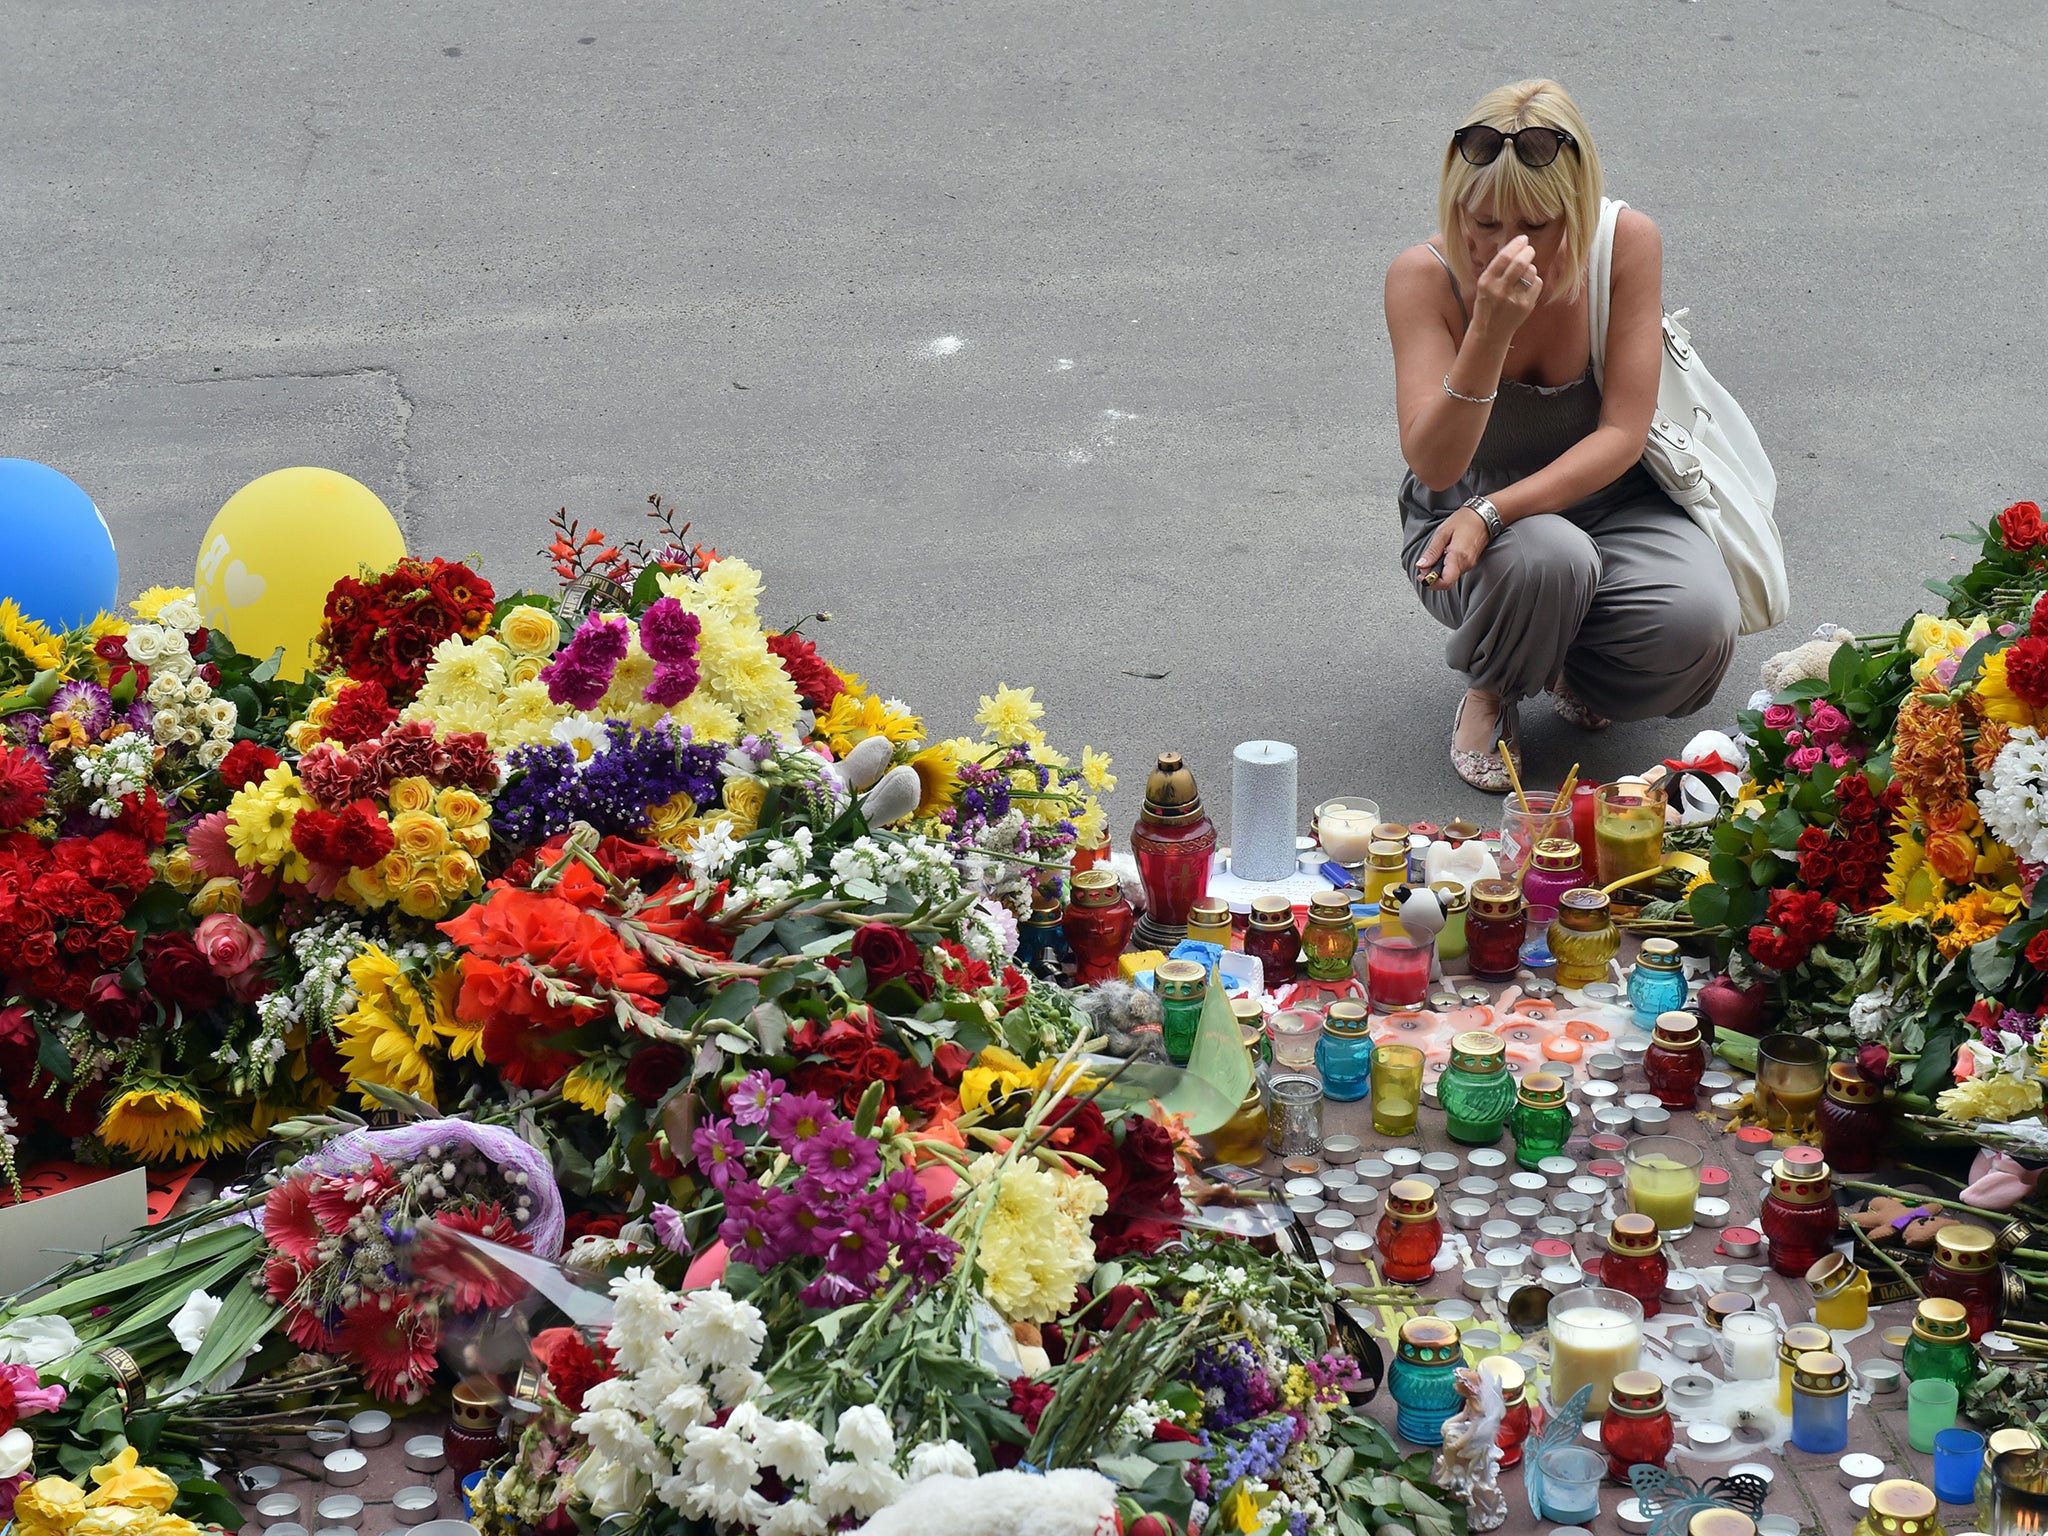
(1575, 710)
(1487, 771)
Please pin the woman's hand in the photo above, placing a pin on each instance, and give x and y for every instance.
(1459, 540)
(1509, 290)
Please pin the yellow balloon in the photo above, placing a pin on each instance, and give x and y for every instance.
(274, 550)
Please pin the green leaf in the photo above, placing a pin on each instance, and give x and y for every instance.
(52, 1058)
(245, 1316)
(1766, 869)
(1727, 869)
(1973, 660)
(206, 1501)
(106, 1287)
(267, 668)
(1937, 1057)
(1843, 667)
(1131, 1471)
(1991, 964)
(1785, 827)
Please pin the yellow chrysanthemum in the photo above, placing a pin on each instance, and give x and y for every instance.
(708, 718)
(1046, 755)
(152, 601)
(938, 778)
(1035, 1247)
(1010, 715)
(1970, 919)
(153, 1122)
(32, 638)
(852, 720)
(761, 692)
(1990, 1098)
(1090, 822)
(1095, 771)
(260, 823)
(733, 587)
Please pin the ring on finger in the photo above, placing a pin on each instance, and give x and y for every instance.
(1522, 282)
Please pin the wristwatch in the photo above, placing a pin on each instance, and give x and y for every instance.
(1488, 514)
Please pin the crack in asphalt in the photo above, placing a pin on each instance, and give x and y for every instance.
(1914, 10)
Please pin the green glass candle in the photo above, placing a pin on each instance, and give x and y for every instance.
(1940, 1347)
(1475, 1090)
(1540, 1122)
(1183, 985)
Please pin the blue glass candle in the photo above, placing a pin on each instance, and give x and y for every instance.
(1657, 984)
(1344, 1052)
(1424, 1379)
(1820, 1404)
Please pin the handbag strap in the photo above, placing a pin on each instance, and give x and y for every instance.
(1599, 284)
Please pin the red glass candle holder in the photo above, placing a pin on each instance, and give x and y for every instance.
(1799, 1217)
(1675, 1061)
(1098, 925)
(1637, 1430)
(1172, 842)
(1965, 1269)
(1397, 970)
(1635, 1262)
(1852, 1120)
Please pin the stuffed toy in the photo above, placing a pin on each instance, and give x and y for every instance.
(1805, 662)
(1066, 1502)
(1998, 1182)
(1885, 1219)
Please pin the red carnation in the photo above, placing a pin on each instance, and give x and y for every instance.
(2026, 671)
(1776, 950)
(2019, 525)
(1029, 1400)
(360, 712)
(814, 677)
(246, 763)
(24, 786)
(2037, 622)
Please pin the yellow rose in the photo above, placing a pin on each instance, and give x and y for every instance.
(365, 887)
(423, 897)
(525, 669)
(665, 818)
(458, 874)
(302, 735)
(48, 1507)
(411, 795)
(220, 894)
(461, 807)
(475, 840)
(318, 711)
(418, 835)
(172, 1525)
(530, 631)
(744, 798)
(121, 1481)
(115, 1520)
(178, 869)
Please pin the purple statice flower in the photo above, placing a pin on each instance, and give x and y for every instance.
(1230, 1376)
(545, 789)
(749, 1229)
(537, 800)
(668, 1229)
(87, 703)
(1297, 1523)
(839, 1158)
(798, 1117)
(753, 1096)
(582, 670)
(721, 1154)
(1261, 1452)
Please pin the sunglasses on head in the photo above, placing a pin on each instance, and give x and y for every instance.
(1481, 144)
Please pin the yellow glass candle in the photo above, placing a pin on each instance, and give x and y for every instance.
(1628, 829)
(1396, 1089)
(1663, 1175)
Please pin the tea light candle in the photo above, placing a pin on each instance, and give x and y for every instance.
(1859, 1495)
(328, 1435)
(1508, 1261)
(1755, 1469)
(345, 1468)
(340, 1509)
(1320, 1247)
(1655, 1121)
(1742, 1277)
(1740, 1243)
(1557, 1229)
(1778, 1525)
(1328, 1268)
(335, 1530)
(1499, 1232)
(1337, 1220)
(1480, 1284)
(1469, 1215)
(1598, 1094)
(1615, 1119)
(1605, 1067)
(1716, 1082)
(1859, 1467)
(1754, 1136)
(1524, 1182)
(1403, 1160)
(1713, 1180)
(1303, 1187)
(1342, 1148)
(1358, 1198)
(425, 1453)
(1352, 1244)
(1681, 1292)
(1486, 1160)
(1523, 1213)
(415, 1504)
(1708, 1212)
(286, 1528)
(1692, 1345)
(1724, 1102)
(1542, 988)
(1337, 1178)
(1305, 1205)
(1585, 1184)
(1609, 1144)
(1429, 1095)
(1302, 1167)
(1640, 1101)
(1561, 1276)
(1609, 1172)
(1692, 1391)
(1767, 1161)
(1893, 1341)
(1455, 1311)
(1444, 1165)
(1707, 1435)
(1375, 1171)
(1480, 1342)
(1551, 1250)
(1477, 1187)
(257, 1481)
(1632, 1050)
(1427, 1178)
(273, 1507)
(1879, 1375)
(1557, 1171)
(370, 1427)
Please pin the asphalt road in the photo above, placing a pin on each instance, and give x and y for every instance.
(1038, 343)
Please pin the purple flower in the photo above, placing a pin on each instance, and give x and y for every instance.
(721, 1154)
(829, 1291)
(668, 1229)
(668, 633)
(748, 1230)
(753, 1097)
(839, 1158)
(927, 1257)
(545, 791)
(804, 1219)
(90, 705)
(899, 1202)
(582, 670)
(797, 1117)
(858, 1251)
(1945, 669)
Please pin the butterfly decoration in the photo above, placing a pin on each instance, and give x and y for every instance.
(1670, 1499)
(1561, 1428)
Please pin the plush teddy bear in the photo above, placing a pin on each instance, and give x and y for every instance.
(1884, 1219)
(1802, 662)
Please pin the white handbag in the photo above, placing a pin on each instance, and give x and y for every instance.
(1703, 451)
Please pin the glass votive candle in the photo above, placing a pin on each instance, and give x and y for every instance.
(1294, 1115)
(1397, 970)
(1663, 1176)
(1291, 1036)
(1595, 1333)
(1628, 829)
(2019, 1492)
(1396, 1089)
(1791, 1075)
(1958, 1456)
(1930, 1408)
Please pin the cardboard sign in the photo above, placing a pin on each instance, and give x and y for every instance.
(67, 1209)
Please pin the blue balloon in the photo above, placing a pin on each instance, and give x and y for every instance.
(56, 556)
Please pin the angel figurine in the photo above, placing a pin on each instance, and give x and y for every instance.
(1468, 1465)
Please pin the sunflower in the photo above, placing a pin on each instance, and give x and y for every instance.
(154, 1120)
(221, 1133)
(588, 1087)
(1914, 888)
(38, 647)
(938, 778)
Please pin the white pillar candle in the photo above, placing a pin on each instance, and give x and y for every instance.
(1592, 1344)
(1749, 1347)
(1263, 810)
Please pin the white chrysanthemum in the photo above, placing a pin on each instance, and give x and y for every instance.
(940, 1458)
(857, 1488)
(797, 1517)
(721, 1465)
(615, 1434)
(794, 1449)
(736, 1383)
(865, 1435)
(2014, 798)
(581, 734)
(710, 850)
(643, 1317)
(687, 1407)
(720, 1329)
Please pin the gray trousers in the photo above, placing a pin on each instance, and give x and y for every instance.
(1621, 595)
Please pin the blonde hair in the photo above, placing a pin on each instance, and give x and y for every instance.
(1567, 188)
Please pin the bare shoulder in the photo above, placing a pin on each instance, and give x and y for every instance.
(1415, 281)
(1636, 237)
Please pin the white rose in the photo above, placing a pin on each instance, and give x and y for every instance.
(181, 614)
(15, 1450)
(164, 690)
(610, 1488)
(151, 643)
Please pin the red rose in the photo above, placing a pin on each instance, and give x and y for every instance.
(1123, 1308)
(889, 954)
(585, 1224)
(950, 1061)
(2037, 622)
(1816, 868)
(1813, 840)
(112, 1011)
(655, 1070)
(2037, 950)
(2019, 525)
(2026, 670)
(1029, 1400)
(178, 972)
(1078, 1128)
(877, 1064)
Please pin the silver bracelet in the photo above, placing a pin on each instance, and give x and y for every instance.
(1489, 514)
(1471, 399)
